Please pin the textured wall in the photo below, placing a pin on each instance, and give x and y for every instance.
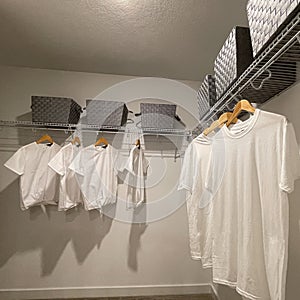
(162, 38)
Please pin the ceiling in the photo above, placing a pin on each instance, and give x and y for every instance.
(176, 39)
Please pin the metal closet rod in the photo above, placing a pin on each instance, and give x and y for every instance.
(148, 153)
(70, 128)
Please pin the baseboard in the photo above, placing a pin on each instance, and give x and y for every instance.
(111, 291)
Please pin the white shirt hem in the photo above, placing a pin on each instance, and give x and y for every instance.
(182, 186)
(12, 169)
(56, 170)
(199, 257)
(234, 285)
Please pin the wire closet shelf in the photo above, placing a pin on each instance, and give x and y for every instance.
(93, 128)
(273, 71)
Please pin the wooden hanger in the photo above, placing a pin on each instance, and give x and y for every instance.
(219, 123)
(225, 117)
(100, 141)
(138, 143)
(211, 128)
(45, 138)
(76, 141)
(243, 105)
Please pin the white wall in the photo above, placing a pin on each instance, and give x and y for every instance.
(82, 250)
(287, 104)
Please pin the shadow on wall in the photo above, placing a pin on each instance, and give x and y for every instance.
(21, 231)
(51, 231)
(136, 231)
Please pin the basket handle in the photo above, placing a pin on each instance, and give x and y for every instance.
(177, 118)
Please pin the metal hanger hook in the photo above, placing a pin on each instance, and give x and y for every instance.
(262, 82)
(235, 98)
(68, 130)
(34, 131)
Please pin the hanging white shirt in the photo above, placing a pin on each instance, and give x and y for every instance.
(254, 165)
(97, 169)
(136, 166)
(69, 190)
(38, 182)
(192, 179)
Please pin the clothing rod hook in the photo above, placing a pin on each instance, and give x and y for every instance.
(262, 82)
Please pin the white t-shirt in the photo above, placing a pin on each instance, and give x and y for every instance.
(192, 179)
(136, 166)
(38, 182)
(69, 190)
(253, 167)
(97, 169)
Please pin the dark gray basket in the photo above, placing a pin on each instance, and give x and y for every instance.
(106, 113)
(265, 18)
(155, 115)
(55, 110)
(206, 95)
(233, 59)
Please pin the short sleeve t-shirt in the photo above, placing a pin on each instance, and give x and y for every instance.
(97, 169)
(192, 179)
(69, 190)
(38, 182)
(136, 166)
(253, 167)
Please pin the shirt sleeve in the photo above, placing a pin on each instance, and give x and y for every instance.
(57, 163)
(17, 162)
(77, 164)
(145, 165)
(119, 162)
(128, 164)
(187, 175)
(290, 165)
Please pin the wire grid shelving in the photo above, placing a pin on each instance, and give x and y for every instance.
(92, 128)
(169, 142)
(273, 71)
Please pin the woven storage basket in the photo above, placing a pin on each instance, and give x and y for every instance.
(106, 113)
(157, 115)
(55, 110)
(266, 17)
(206, 95)
(233, 59)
